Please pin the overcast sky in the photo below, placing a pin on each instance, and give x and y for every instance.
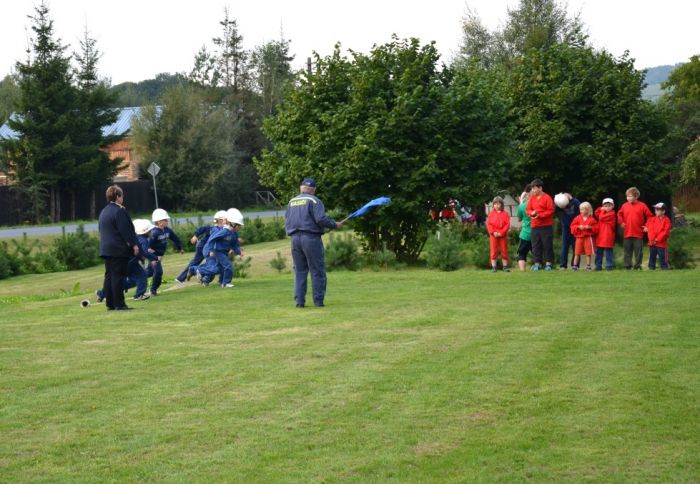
(141, 38)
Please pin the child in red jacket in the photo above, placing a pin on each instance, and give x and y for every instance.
(497, 225)
(584, 227)
(632, 216)
(658, 228)
(605, 238)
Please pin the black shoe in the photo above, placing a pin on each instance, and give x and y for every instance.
(300, 305)
(319, 305)
(123, 308)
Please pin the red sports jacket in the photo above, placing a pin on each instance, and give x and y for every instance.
(544, 206)
(580, 233)
(658, 230)
(498, 222)
(606, 228)
(634, 215)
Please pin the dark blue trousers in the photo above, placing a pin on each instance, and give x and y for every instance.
(196, 260)
(599, 251)
(157, 274)
(136, 277)
(218, 264)
(663, 258)
(567, 241)
(308, 256)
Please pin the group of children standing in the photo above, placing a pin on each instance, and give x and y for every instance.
(592, 231)
(213, 243)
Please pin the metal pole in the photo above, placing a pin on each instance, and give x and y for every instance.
(155, 191)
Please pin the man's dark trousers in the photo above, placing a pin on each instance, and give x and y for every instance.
(308, 255)
(115, 273)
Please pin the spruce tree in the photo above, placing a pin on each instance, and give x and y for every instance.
(42, 155)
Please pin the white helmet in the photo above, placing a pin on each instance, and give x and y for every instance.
(220, 214)
(234, 216)
(159, 214)
(142, 226)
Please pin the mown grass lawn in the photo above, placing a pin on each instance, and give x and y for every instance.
(413, 375)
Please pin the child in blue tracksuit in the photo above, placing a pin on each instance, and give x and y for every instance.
(222, 241)
(200, 237)
(136, 275)
(158, 242)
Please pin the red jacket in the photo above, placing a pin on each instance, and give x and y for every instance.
(498, 222)
(658, 230)
(580, 233)
(633, 215)
(544, 206)
(606, 228)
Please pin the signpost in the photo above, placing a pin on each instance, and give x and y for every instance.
(154, 169)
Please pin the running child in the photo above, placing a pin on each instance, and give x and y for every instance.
(223, 241)
(199, 240)
(158, 244)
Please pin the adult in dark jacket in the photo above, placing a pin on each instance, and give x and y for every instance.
(117, 244)
(305, 221)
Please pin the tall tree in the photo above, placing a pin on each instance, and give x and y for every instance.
(42, 156)
(389, 123)
(533, 24)
(582, 126)
(272, 71)
(683, 104)
(93, 166)
(195, 144)
(9, 96)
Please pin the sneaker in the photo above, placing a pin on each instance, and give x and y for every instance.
(154, 292)
(142, 297)
(493, 269)
(535, 267)
(588, 269)
(506, 269)
(190, 274)
(547, 268)
(99, 296)
(574, 268)
(300, 305)
(562, 268)
(179, 283)
(227, 285)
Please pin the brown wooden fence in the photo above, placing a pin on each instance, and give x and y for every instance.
(138, 196)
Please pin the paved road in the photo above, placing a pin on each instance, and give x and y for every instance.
(36, 230)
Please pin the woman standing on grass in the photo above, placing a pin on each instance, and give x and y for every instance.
(117, 245)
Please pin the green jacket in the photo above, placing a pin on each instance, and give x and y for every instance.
(525, 219)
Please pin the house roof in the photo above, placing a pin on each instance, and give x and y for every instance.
(121, 126)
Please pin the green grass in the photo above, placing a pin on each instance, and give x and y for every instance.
(413, 375)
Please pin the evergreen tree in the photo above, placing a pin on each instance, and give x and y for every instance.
(42, 156)
(93, 166)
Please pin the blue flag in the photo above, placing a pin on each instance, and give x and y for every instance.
(373, 203)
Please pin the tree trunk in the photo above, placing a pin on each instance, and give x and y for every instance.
(72, 205)
(92, 206)
(52, 204)
(58, 205)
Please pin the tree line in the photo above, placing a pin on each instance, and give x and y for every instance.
(532, 99)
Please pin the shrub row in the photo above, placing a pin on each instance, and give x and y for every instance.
(69, 252)
(254, 231)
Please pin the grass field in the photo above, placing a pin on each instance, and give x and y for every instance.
(413, 375)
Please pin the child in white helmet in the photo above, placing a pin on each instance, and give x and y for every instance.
(199, 240)
(158, 243)
(223, 240)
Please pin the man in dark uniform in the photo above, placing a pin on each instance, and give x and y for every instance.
(304, 222)
(117, 244)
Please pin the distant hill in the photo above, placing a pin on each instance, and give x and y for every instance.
(654, 77)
